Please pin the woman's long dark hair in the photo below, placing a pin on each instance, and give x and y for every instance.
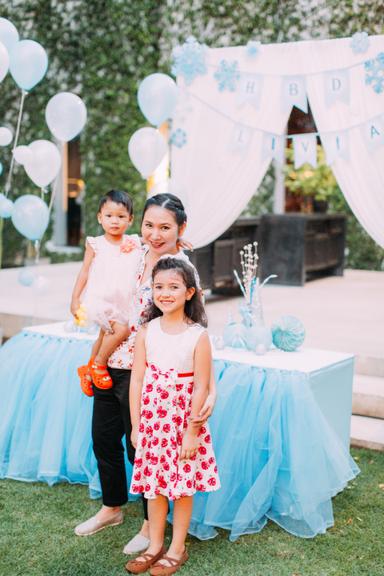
(194, 308)
(169, 202)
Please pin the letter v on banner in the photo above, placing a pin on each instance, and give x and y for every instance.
(293, 93)
(304, 147)
(336, 145)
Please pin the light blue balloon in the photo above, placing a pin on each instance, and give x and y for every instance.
(30, 216)
(26, 276)
(6, 207)
(1, 168)
(28, 63)
(157, 98)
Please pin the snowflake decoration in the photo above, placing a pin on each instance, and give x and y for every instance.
(178, 138)
(359, 42)
(253, 48)
(227, 75)
(374, 73)
(189, 60)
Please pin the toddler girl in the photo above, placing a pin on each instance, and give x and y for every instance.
(105, 285)
(169, 384)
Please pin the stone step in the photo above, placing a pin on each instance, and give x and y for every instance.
(367, 433)
(368, 396)
(369, 365)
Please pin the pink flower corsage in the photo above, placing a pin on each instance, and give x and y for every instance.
(127, 246)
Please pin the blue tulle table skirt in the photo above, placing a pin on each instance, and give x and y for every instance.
(278, 456)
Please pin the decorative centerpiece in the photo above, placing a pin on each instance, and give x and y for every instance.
(251, 333)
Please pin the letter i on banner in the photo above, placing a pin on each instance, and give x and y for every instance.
(336, 87)
(273, 147)
(304, 146)
(336, 145)
(373, 133)
(293, 93)
(240, 138)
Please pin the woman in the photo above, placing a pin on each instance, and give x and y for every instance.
(164, 222)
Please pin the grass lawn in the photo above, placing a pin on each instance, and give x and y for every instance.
(37, 539)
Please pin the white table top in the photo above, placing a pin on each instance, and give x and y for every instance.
(305, 360)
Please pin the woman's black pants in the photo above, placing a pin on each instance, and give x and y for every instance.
(110, 421)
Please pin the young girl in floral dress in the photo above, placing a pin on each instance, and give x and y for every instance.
(169, 384)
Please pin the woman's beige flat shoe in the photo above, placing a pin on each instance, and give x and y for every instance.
(93, 525)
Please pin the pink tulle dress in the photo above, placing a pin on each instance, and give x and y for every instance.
(108, 294)
(165, 408)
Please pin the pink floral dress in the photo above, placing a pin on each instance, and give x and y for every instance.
(165, 408)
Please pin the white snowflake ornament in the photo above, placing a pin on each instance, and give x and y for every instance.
(189, 60)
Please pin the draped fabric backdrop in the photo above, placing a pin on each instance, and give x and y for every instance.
(224, 159)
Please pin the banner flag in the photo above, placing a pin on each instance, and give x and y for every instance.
(241, 138)
(304, 146)
(273, 147)
(336, 87)
(249, 90)
(336, 145)
(294, 93)
(373, 132)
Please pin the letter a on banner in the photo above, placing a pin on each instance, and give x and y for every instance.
(293, 93)
(336, 145)
(373, 133)
(336, 87)
(304, 146)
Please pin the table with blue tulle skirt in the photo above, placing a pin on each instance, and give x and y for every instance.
(280, 430)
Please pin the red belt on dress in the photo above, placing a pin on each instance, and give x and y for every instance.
(179, 374)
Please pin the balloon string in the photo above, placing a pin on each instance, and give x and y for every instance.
(37, 251)
(9, 179)
(53, 194)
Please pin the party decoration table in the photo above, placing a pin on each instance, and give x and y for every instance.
(280, 429)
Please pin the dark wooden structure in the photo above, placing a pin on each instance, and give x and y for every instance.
(297, 247)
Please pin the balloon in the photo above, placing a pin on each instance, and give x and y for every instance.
(44, 163)
(4, 62)
(22, 154)
(9, 35)
(1, 168)
(30, 216)
(28, 63)
(6, 136)
(146, 149)
(157, 98)
(65, 115)
(26, 276)
(6, 207)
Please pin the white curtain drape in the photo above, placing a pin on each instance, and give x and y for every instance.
(224, 160)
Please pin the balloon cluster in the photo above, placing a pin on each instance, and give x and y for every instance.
(157, 98)
(65, 115)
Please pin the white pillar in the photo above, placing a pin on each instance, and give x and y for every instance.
(60, 202)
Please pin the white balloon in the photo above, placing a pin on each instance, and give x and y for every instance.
(22, 154)
(9, 35)
(146, 149)
(6, 136)
(44, 163)
(4, 62)
(65, 115)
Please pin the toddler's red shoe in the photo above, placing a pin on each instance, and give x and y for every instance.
(100, 376)
(84, 373)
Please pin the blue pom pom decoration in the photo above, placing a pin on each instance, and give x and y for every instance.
(288, 333)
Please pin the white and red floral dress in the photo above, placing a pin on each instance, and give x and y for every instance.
(165, 408)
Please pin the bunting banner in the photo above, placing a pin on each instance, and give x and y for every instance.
(373, 133)
(294, 93)
(304, 146)
(241, 138)
(336, 145)
(273, 146)
(336, 87)
(249, 90)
